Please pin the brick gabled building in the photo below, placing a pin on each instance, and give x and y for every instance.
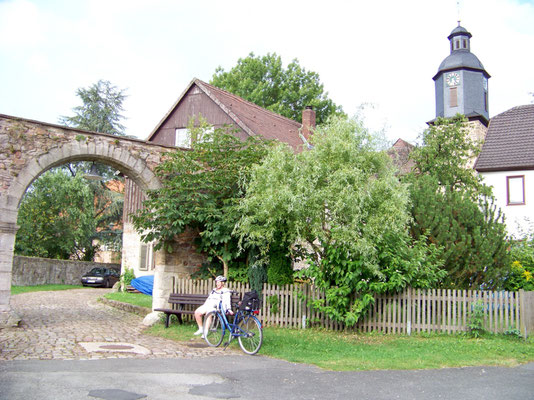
(219, 108)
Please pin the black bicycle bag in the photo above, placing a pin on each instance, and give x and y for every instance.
(250, 302)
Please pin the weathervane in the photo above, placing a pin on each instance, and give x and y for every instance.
(458, 10)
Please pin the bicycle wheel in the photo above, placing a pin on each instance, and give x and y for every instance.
(213, 328)
(250, 334)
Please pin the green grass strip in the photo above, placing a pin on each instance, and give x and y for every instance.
(42, 288)
(341, 351)
(137, 299)
(351, 352)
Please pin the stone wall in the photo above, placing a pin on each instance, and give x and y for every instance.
(30, 271)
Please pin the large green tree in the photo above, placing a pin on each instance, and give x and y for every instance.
(100, 112)
(345, 212)
(101, 109)
(453, 208)
(201, 190)
(286, 91)
(56, 218)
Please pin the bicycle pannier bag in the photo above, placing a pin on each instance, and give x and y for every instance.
(250, 301)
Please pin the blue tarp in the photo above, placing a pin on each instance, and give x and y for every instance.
(144, 284)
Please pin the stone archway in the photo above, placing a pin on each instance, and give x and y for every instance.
(29, 148)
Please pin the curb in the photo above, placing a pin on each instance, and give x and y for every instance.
(142, 311)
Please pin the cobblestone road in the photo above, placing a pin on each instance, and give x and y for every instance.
(55, 323)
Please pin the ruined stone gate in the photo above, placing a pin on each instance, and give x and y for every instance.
(29, 148)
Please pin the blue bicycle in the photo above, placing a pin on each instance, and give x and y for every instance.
(245, 327)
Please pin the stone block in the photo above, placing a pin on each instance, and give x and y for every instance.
(102, 148)
(47, 160)
(16, 191)
(8, 215)
(138, 164)
(66, 151)
(32, 170)
(126, 159)
(6, 264)
(152, 318)
(91, 147)
(5, 282)
(7, 239)
(150, 181)
(8, 318)
(116, 155)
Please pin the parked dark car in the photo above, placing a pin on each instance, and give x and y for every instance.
(104, 277)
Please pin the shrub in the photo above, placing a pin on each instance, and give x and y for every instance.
(476, 320)
(126, 277)
(280, 271)
(520, 275)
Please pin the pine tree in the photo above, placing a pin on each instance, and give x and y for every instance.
(453, 208)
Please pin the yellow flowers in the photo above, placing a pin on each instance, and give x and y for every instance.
(528, 275)
(517, 267)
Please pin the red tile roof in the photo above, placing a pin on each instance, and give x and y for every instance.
(254, 119)
(400, 155)
(509, 143)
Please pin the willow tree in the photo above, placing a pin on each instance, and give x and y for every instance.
(343, 210)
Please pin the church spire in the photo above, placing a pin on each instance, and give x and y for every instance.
(462, 82)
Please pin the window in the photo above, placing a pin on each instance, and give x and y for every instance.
(146, 257)
(485, 101)
(182, 138)
(465, 43)
(515, 190)
(453, 97)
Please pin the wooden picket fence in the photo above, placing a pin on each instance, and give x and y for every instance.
(413, 310)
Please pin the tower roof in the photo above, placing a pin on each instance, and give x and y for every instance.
(459, 30)
(461, 59)
(461, 56)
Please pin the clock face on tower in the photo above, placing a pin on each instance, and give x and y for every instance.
(452, 79)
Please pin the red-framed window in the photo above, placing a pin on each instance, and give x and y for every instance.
(515, 190)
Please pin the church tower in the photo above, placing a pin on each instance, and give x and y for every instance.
(462, 82)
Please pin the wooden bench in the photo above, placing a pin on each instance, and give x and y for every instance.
(179, 300)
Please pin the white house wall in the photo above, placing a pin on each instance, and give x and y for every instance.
(131, 251)
(519, 218)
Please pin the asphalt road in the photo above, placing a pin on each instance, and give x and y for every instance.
(246, 377)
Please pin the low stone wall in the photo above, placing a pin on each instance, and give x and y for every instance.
(30, 271)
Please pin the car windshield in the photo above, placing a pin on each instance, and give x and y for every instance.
(97, 271)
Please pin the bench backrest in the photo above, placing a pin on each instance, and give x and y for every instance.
(196, 299)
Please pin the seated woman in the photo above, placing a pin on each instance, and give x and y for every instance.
(220, 293)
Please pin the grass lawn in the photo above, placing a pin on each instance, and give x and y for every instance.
(42, 288)
(137, 299)
(351, 352)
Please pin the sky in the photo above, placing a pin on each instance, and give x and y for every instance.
(381, 55)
